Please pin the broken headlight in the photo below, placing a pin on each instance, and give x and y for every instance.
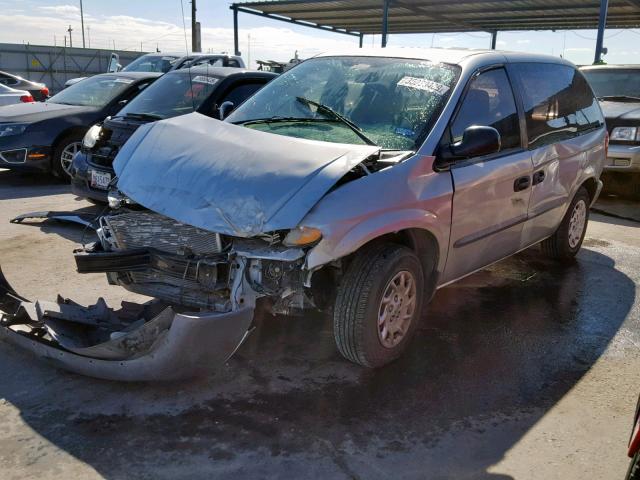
(92, 136)
(302, 236)
(117, 199)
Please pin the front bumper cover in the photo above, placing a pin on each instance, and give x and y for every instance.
(168, 346)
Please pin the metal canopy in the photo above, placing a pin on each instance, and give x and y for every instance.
(360, 17)
(430, 16)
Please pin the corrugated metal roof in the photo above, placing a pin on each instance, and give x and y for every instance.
(425, 16)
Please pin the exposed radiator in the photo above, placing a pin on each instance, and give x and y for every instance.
(151, 230)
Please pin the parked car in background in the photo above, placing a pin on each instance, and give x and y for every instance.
(38, 91)
(44, 136)
(165, 62)
(356, 183)
(200, 89)
(11, 96)
(618, 89)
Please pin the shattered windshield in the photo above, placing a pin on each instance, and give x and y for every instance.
(390, 101)
(172, 94)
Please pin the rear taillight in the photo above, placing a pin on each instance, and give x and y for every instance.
(26, 99)
(44, 91)
(606, 144)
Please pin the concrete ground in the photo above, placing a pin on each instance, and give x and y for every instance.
(526, 370)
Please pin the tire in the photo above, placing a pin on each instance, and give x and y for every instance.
(359, 301)
(565, 243)
(58, 162)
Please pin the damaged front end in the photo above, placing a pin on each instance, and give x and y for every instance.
(204, 287)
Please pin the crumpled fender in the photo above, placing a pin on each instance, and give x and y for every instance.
(195, 344)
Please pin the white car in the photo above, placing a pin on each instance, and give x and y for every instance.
(10, 96)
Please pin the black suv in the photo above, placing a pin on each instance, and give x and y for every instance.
(202, 89)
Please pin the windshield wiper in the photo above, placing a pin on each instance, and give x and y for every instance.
(275, 119)
(323, 109)
(143, 116)
(620, 97)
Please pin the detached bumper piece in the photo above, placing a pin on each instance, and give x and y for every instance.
(148, 342)
(85, 219)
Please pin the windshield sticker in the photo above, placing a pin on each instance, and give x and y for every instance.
(205, 79)
(423, 84)
(123, 80)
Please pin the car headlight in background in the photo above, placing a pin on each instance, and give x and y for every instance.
(91, 137)
(626, 134)
(8, 129)
(302, 236)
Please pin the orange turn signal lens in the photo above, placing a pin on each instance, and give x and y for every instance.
(301, 236)
(36, 155)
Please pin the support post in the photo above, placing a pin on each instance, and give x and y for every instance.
(195, 40)
(236, 48)
(602, 23)
(82, 22)
(361, 39)
(385, 22)
(494, 38)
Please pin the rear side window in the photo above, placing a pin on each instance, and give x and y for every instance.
(558, 102)
(240, 93)
(489, 102)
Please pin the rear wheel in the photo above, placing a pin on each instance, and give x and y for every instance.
(565, 243)
(63, 155)
(378, 304)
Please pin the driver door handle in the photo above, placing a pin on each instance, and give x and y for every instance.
(538, 177)
(521, 184)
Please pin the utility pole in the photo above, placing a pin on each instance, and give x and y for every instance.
(82, 22)
(195, 30)
(70, 39)
(89, 34)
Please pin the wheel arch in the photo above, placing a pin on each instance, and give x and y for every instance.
(71, 130)
(593, 187)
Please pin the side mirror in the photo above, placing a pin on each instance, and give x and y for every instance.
(225, 109)
(477, 141)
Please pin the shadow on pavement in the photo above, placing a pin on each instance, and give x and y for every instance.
(496, 351)
(618, 207)
(30, 185)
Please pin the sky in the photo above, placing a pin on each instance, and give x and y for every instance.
(145, 25)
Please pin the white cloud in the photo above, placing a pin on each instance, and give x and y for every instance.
(62, 10)
(523, 42)
(267, 43)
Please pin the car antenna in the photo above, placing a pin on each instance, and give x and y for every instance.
(186, 47)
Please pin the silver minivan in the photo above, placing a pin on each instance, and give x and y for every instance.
(356, 183)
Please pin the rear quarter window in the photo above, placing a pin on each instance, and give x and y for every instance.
(558, 102)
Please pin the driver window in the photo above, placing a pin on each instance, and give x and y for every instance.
(489, 102)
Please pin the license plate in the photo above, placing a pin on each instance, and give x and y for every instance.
(100, 180)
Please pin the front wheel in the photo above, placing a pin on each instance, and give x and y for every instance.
(378, 304)
(63, 155)
(565, 243)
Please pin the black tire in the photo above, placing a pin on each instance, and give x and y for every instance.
(559, 246)
(56, 161)
(358, 303)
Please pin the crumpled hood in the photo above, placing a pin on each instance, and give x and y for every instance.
(228, 178)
